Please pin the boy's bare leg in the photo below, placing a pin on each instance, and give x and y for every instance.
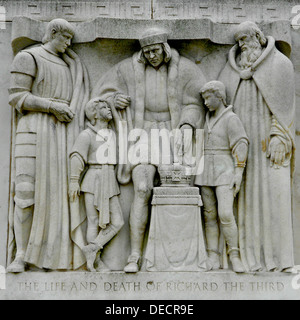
(106, 235)
(225, 199)
(90, 251)
(212, 233)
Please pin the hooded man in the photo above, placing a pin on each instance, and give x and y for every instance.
(260, 84)
(161, 88)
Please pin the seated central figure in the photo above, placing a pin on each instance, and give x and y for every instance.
(161, 89)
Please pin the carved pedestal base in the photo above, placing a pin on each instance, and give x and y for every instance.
(176, 241)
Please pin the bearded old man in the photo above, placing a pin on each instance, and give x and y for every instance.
(48, 89)
(161, 88)
(260, 85)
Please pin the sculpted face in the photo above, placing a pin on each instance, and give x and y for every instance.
(104, 111)
(154, 54)
(61, 41)
(251, 48)
(247, 42)
(211, 101)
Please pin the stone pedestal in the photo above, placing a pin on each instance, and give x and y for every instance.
(176, 241)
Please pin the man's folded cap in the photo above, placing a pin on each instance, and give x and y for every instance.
(153, 36)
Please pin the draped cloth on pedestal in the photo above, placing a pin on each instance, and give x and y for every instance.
(176, 241)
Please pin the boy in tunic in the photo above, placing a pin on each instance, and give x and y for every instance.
(95, 148)
(225, 155)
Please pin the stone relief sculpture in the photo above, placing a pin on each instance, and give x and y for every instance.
(66, 204)
(99, 185)
(161, 89)
(260, 85)
(225, 155)
(49, 86)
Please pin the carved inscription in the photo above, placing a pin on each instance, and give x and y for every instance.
(152, 286)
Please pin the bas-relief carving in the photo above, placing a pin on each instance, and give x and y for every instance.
(163, 87)
(156, 88)
(260, 85)
(225, 156)
(48, 88)
(99, 185)
(229, 12)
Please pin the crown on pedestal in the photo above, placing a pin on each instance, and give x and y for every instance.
(175, 175)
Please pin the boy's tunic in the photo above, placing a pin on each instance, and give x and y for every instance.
(100, 178)
(221, 136)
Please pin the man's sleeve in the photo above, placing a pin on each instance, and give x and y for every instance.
(81, 146)
(23, 72)
(237, 137)
(193, 110)
(111, 83)
(236, 131)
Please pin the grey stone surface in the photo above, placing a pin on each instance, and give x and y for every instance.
(5, 141)
(219, 11)
(151, 286)
(107, 32)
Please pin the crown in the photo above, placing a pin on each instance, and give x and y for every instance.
(175, 175)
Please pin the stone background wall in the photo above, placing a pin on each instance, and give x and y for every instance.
(229, 11)
(101, 54)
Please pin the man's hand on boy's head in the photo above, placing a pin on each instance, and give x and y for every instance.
(122, 101)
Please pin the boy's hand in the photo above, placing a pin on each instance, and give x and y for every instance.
(237, 181)
(183, 141)
(74, 190)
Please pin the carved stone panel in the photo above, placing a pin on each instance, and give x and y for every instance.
(148, 149)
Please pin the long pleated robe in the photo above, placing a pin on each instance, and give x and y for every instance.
(264, 101)
(65, 80)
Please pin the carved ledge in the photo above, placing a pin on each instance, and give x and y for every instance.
(27, 31)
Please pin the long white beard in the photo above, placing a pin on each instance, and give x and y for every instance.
(249, 56)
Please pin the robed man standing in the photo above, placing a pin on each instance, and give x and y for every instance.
(260, 85)
(48, 88)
